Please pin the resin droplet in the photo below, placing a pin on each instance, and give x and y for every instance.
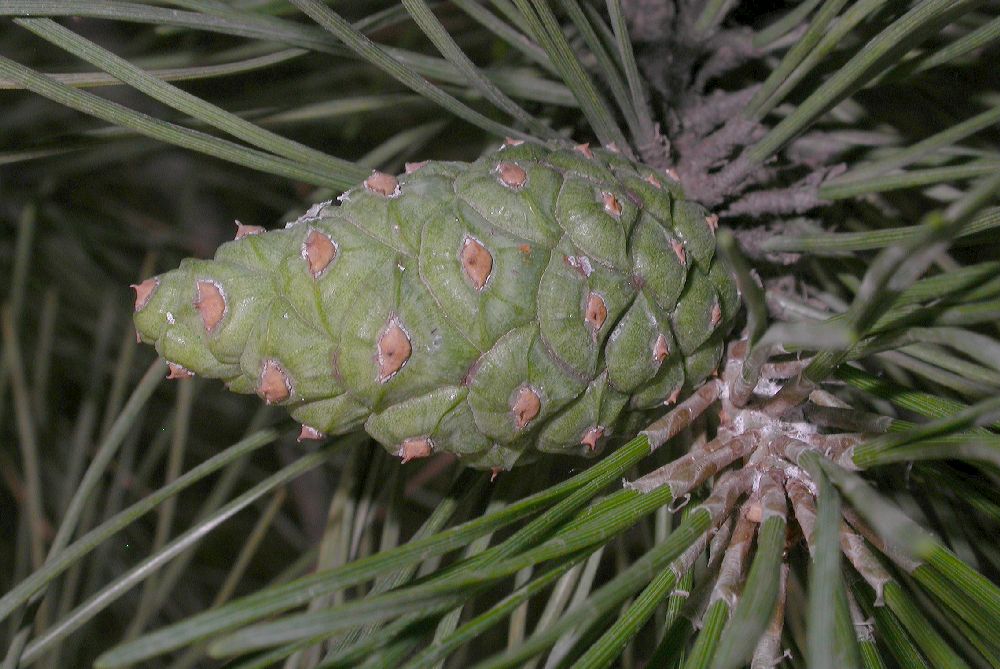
(477, 262)
(672, 173)
(144, 291)
(584, 150)
(511, 175)
(309, 433)
(274, 386)
(592, 436)
(175, 371)
(247, 230)
(716, 315)
(713, 222)
(597, 312)
(674, 396)
(679, 251)
(526, 406)
(393, 351)
(383, 184)
(318, 251)
(210, 303)
(413, 167)
(654, 182)
(581, 264)
(510, 141)
(612, 207)
(414, 448)
(661, 349)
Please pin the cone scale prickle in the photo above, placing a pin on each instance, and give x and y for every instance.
(538, 299)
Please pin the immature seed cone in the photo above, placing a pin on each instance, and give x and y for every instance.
(534, 300)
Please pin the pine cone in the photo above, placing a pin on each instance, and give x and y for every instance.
(534, 300)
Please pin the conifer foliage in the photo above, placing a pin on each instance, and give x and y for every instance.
(708, 289)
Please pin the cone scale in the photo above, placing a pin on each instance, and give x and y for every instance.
(537, 299)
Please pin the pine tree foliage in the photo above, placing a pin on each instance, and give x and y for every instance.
(820, 491)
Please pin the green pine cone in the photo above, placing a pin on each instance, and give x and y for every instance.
(534, 300)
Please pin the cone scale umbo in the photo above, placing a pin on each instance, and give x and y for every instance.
(538, 299)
